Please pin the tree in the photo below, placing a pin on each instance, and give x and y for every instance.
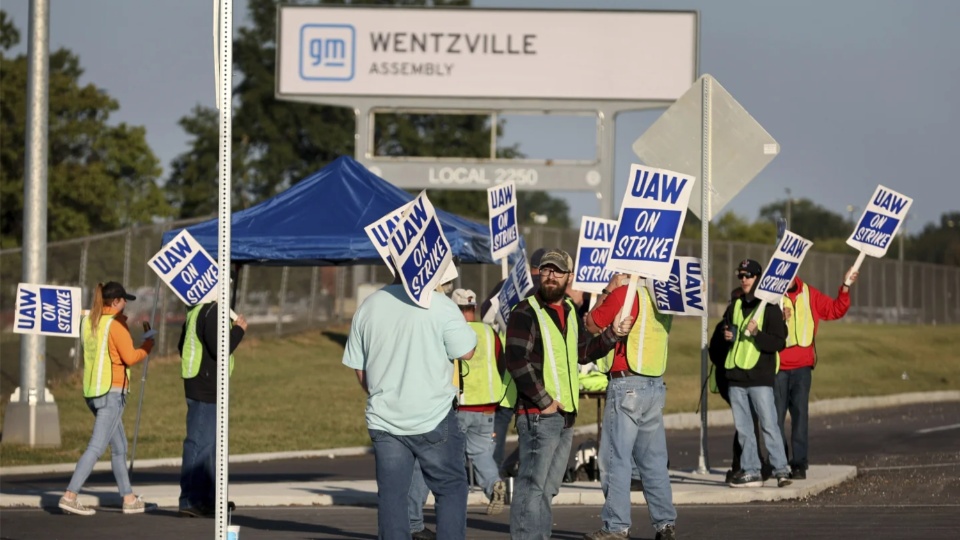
(100, 177)
(808, 219)
(936, 243)
(277, 143)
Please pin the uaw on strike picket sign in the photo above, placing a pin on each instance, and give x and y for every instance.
(47, 310)
(382, 229)
(881, 219)
(502, 209)
(593, 248)
(682, 293)
(651, 217)
(783, 266)
(420, 250)
(187, 268)
(514, 289)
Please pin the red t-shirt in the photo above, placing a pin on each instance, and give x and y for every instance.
(604, 315)
(560, 314)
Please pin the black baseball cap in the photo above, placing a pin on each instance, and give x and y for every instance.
(112, 290)
(750, 266)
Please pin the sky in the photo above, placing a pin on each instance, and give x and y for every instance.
(856, 92)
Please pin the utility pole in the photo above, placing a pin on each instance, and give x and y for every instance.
(32, 418)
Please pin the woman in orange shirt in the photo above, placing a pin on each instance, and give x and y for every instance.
(108, 352)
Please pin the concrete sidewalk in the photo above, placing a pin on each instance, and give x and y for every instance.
(688, 488)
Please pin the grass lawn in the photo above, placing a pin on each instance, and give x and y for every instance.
(294, 394)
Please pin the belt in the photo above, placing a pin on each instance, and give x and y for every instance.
(621, 374)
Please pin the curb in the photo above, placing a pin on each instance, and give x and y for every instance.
(675, 421)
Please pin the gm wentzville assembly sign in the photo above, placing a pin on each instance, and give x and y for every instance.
(607, 55)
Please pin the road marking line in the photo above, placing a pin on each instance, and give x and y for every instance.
(899, 467)
(940, 428)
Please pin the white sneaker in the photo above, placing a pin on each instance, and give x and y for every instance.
(73, 506)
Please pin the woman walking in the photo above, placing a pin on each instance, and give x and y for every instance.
(108, 353)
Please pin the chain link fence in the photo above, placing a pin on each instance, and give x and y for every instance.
(283, 300)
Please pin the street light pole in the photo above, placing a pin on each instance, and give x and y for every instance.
(789, 201)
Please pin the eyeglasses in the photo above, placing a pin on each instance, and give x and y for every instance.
(550, 272)
(746, 275)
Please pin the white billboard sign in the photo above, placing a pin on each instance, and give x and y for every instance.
(596, 236)
(651, 217)
(536, 54)
(47, 310)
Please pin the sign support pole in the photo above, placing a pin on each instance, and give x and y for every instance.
(224, 44)
(703, 466)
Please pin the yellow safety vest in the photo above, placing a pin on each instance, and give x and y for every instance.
(800, 325)
(648, 338)
(560, 373)
(192, 353)
(482, 383)
(97, 366)
(744, 353)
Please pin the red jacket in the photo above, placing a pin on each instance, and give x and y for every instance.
(823, 308)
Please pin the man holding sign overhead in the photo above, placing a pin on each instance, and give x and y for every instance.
(402, 343)
(754, 338)
(545, 342)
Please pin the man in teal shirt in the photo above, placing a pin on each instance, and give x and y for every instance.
(403, 355)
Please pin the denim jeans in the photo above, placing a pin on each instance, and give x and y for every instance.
(416, 498)
(477, 428)
(633, 435)
(107, 429)
(791, 392)
(440, 454)
(544, 452)
(501, 424)
(197, 488)
(760, 398)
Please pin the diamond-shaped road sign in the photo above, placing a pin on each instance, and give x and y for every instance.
(740, 147)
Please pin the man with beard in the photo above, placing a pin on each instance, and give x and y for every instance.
(545, 342)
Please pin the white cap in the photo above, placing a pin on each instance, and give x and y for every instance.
(464, 297)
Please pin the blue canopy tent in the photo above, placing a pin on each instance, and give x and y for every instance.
(320, 221)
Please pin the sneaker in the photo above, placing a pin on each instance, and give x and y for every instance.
(603, 534)
(496, 498)
(729, 477)
(783, 480)
(73, 506)
(742, 479)
(423, 534)
(203, 510)
(668, 532)
(138, 506)
(798, 474)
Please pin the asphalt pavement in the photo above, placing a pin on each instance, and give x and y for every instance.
(905, 462)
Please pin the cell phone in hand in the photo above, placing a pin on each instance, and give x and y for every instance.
(146, 326)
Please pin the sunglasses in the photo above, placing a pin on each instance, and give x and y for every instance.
(746, 275)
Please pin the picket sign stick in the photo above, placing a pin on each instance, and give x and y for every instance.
(504, 268)
(628, 300)
(143, 382)
(757, 314)
(856, 268)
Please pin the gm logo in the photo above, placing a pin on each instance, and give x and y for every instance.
(327, 52)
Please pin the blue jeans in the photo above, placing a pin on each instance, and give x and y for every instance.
(501, 424)
(791, 392)
(197, 488)
(477, 428)
(760, 398)
(440, 454)
(544, 452)
(633, 436)
(107, 429)
(416, 498)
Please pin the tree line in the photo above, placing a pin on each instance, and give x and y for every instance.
(103, 177)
